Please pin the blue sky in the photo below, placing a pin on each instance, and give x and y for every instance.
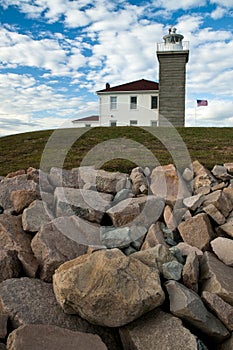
(54, 55)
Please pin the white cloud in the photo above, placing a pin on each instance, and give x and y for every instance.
(218, 13)
(226, 3)
(182, 4)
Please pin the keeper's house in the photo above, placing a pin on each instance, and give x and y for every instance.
(144, 102)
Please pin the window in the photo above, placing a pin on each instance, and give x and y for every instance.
(133, 102)
(113, 123)
(113, 102)
(133, 122)
(154, 123)
(154, 102)
(87, 125)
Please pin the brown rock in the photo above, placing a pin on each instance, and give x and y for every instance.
(9, 264)
(138, 211)
(22, 198)
(63, 178)
(223, 248)
(86, 204)
(187, 305)
(203, 177)
(157, 330)
(52, 247)
(168, 184)
(3, 325)
(169, 218)
(16, 173)
(216, 277)
(197, 231)
(228, 192)
(153, 237)
(32, 301)
(220, 201)
(46, 337)
(226, 228)
(110, 182)
(190, 272)
(227, 344)
(156, 256)
(111, 289)
(215, 214)
(220, 308)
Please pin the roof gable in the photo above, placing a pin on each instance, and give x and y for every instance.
(92, 118)
(138, 85)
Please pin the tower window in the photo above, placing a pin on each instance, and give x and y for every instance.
(113, 102)
(133, 102)
(133, 122)
(154, 102)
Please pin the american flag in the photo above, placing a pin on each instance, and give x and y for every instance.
(202, 103)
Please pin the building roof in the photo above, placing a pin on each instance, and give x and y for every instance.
(92, 118)
(138, 85)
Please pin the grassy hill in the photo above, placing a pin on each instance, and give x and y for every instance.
(209, 145)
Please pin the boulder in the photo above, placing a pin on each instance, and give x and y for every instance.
(186, 249)
(107, 287)
(229, 167)
(63, 178)
(216, 277)
(47, 337)
(32, 301)
(121, 237)
(220, 201)
(220, 308)
(214, 214)
(172, 270)
(157, 330)
(226, 229)
(200, 237)
(8, 185)
(220, 172)
(37, 214)
(223, 248)
(22, 198)
(187, 305)
(110, 182)
(169, 218)
(86, 204)
(137, 211)
(167, 183)
(193, 202)
(203, 178)
(52, 247)
(12, 237)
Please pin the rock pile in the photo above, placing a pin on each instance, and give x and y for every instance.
(96, 260)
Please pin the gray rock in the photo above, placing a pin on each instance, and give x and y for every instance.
(86, 204)
(52, 248)
(52, 338)
(157, 330)
(187, 305)
(187, 174)
(193, 202)
(223, 248)
(172, 270)
(121, 237)
(220, 172)
(7, 185)
(121, 195)
(63, 178)
(227, 345)
(139, 181)
(214, 214)
(37, 214)
(220, 200)
(153, 237)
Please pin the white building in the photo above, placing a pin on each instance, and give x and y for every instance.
(87, 122)
(134, 103)
(144, 102)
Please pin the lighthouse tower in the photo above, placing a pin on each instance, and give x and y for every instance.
(172, 55)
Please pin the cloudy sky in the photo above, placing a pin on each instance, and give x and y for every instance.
(54, 55)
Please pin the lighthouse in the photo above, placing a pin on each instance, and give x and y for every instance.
(173, 55)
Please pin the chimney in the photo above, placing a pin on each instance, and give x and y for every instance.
(107, 86)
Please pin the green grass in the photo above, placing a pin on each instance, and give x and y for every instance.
(209, 145)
